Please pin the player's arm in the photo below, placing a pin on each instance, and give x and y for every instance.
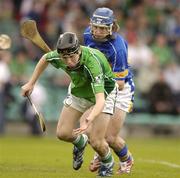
(96, 72)
(40, 67)
(120, 68)
(98, 107)
(120, 84)
(86, 36)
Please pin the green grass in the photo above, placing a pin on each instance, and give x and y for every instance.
(29, 157)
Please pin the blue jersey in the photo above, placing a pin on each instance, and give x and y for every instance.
(116, 51)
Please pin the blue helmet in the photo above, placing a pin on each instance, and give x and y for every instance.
(103, 17)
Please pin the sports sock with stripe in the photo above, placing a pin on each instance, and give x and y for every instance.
(80, 141)
(123, 154)
(108, 158)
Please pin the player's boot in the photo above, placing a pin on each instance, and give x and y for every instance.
(126, 166)
(78, 155)
(106, 169)
(95, 163)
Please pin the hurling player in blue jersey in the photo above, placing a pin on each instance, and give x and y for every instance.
(102, 34)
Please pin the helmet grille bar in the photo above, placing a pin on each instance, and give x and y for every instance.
(99, 16)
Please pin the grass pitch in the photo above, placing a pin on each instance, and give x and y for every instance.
(29, 157)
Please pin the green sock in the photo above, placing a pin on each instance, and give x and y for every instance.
(108, 158)
(80, 141)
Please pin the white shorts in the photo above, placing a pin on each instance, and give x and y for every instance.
(124, 100)
(82, 104)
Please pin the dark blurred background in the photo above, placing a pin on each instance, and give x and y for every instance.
(152, 29)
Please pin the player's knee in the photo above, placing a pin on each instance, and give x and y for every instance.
(96, 144)
(111, 140)
(62, 135)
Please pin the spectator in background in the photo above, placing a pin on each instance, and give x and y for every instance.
(172, 77)
(144, 83)
(9, 25)
(176, 51)
(161, 97)
(161, 50)
(20, 66)
(5, 77)
(140, 55)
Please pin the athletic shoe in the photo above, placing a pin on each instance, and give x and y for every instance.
(78, 155)
(106, 169)
(126, 166)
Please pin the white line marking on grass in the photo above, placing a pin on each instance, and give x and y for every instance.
(161, 162)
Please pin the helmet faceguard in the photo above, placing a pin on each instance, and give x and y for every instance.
(103, 17)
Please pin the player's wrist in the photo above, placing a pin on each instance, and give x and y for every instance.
(88, 120)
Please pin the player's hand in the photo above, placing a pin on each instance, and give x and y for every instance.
(85, 124)
(27, 89)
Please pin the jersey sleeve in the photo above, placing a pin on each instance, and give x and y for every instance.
(120, 66)
(95, 71)
(54, 59)
(52, 55)
(86, 36)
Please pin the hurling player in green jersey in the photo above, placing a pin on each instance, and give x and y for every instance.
(92, 86)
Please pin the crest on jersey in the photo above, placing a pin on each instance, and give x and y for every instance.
(99, 79)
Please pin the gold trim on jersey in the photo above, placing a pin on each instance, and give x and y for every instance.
(121, 74)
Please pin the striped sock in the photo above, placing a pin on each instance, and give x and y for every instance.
(80, 141)
(123, 154)
(108, 158)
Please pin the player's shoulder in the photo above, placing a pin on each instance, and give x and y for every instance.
(87, 50)
(87, 33)
(52, 55)
(119, 41)
(90, 49)
(119, 37)
(89, 53)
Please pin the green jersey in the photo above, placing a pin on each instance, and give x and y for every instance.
(93, 75)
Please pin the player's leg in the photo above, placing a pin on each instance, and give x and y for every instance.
(95, 163)
(99, 144)
(112, 137)
(74, 107)
(124, 103)
(123, 106)
(117, 143)
(68, 120)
